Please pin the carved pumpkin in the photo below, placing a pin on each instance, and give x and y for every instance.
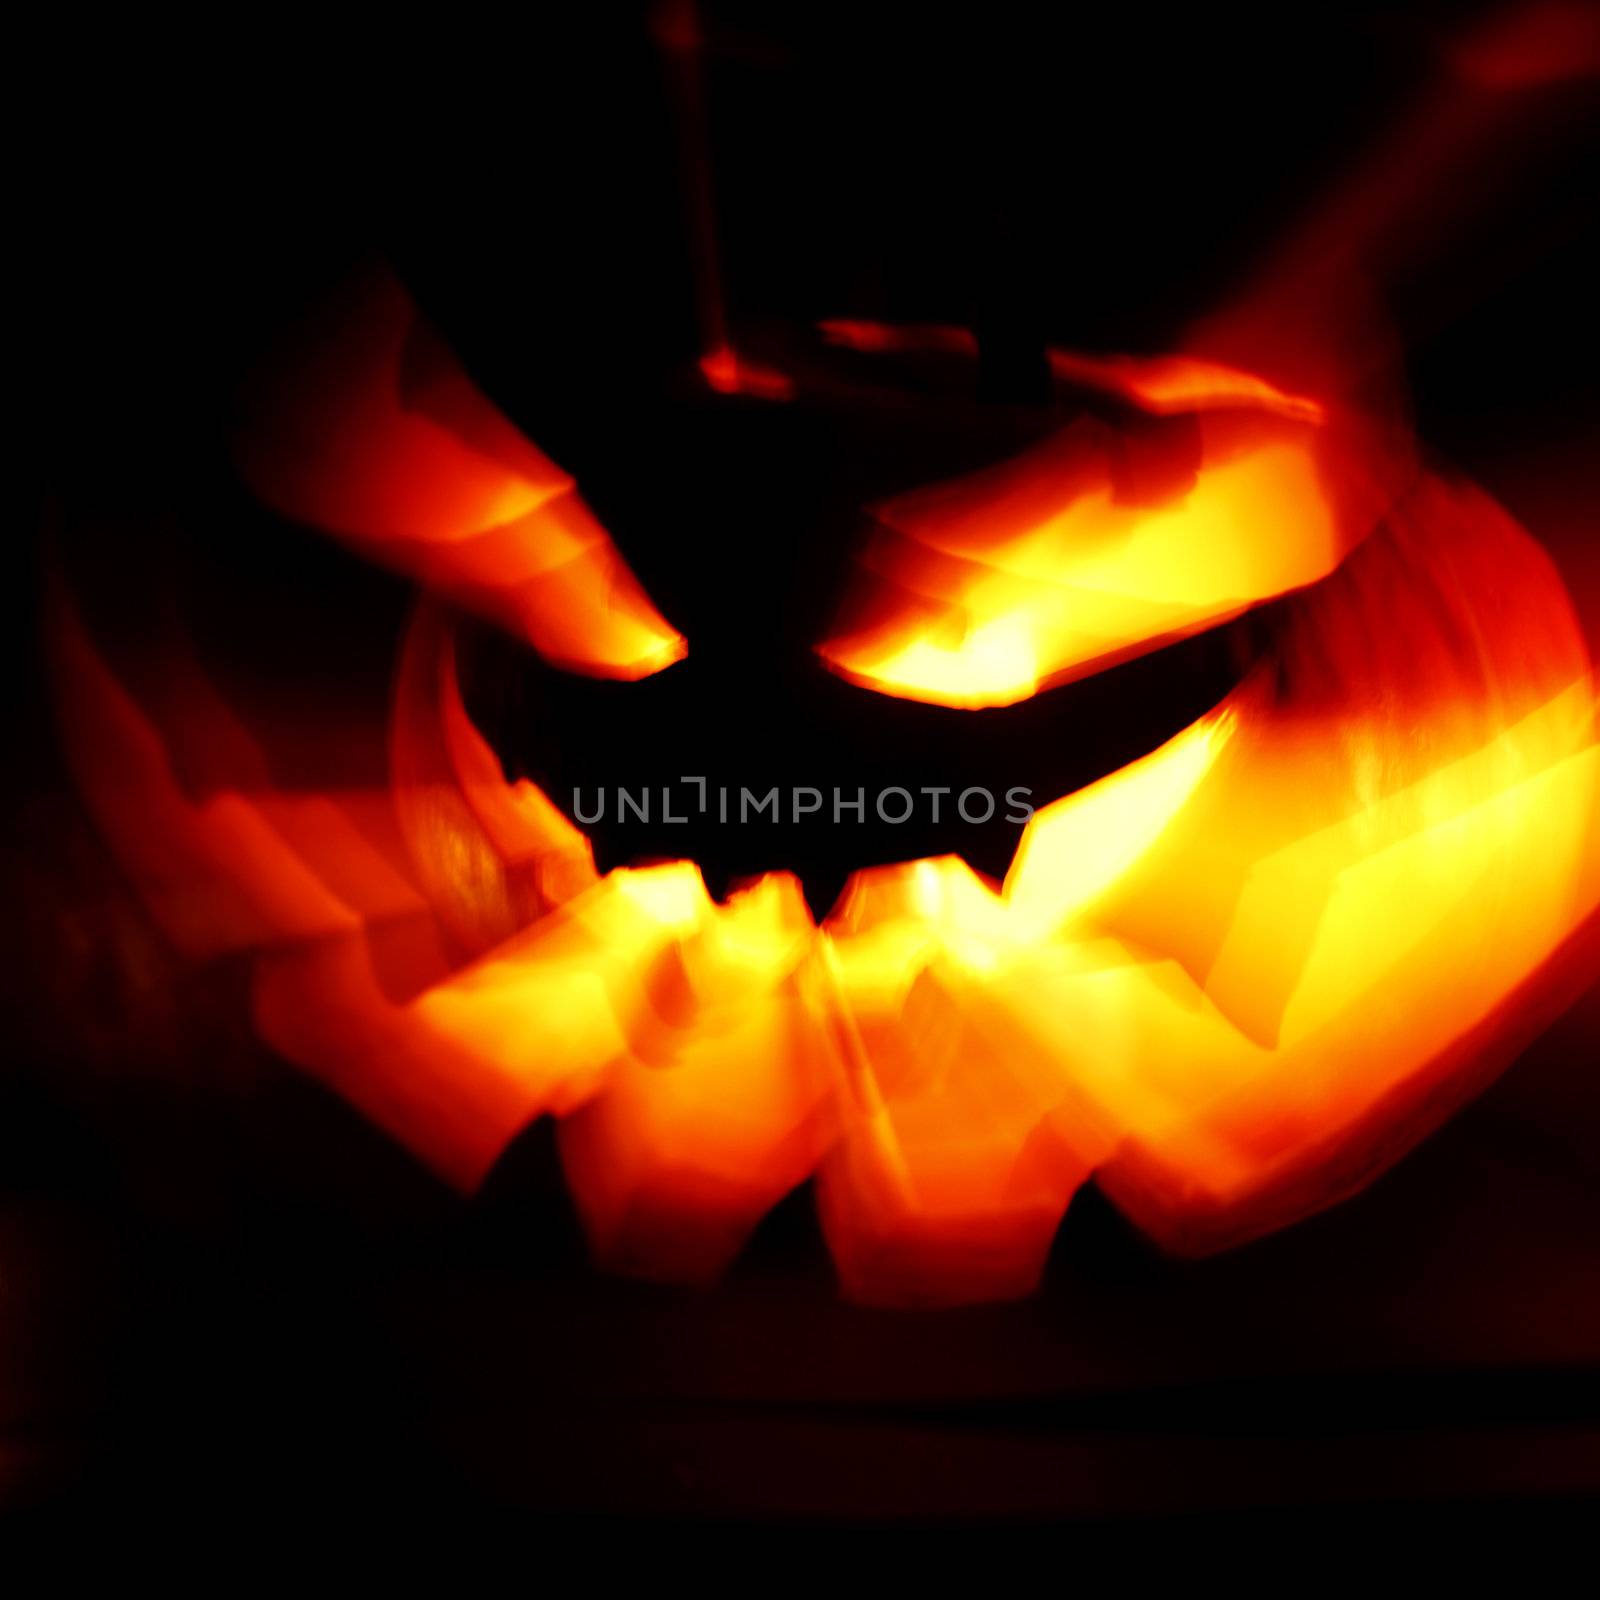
(1228, 981)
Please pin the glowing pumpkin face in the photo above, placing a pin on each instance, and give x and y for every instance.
(1229, 980)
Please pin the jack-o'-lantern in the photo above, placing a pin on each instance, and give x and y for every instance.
(1227, 976)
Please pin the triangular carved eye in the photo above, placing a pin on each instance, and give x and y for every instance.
(369, 429)
(1099, 544)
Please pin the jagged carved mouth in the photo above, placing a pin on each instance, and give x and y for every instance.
(749, 767)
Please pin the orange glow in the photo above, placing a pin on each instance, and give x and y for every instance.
(492, 856)
(1168, 385)
(1163, 385)
(950, 1172)
(730, 373)
(1227, 983)
(372, 432)
(982, 591)
(722, 1106)
(1278, 941)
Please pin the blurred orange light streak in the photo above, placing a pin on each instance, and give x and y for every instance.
(1228, 983)
(369, 429)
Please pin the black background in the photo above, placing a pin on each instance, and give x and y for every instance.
(219, 1286)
